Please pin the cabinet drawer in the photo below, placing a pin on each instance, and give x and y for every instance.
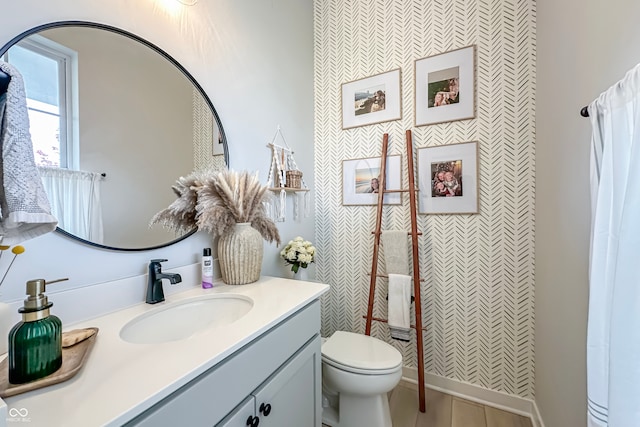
(292, 395)
(289, 397)
(240, 416)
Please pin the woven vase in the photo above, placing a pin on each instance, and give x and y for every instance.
(240, 255)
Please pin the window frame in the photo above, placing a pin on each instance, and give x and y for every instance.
(67, 60)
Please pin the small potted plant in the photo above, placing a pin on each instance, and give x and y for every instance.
(231, 206)
(299, 253)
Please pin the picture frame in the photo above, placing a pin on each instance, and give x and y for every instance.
(217, 144)
(374, 99)
(359, 176)
(448, 179)
(445, 87)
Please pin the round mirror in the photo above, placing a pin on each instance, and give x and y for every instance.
(114, 122)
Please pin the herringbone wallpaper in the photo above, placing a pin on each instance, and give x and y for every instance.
(204, 136)
(478, 297)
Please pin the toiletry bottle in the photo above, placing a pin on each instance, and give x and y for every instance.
(207, 269)
(35, 343)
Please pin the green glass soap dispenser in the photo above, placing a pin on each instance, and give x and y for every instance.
(35, 343)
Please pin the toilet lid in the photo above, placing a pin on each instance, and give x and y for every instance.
(360, 352)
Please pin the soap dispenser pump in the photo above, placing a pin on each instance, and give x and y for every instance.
(35, 343)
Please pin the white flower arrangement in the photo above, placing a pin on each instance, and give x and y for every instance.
(298, 253)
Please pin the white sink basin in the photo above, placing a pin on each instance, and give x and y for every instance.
(180, 320)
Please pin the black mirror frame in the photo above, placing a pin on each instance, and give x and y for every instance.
(165, 55)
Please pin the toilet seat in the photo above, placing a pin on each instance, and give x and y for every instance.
(353, 370)
(360, 354)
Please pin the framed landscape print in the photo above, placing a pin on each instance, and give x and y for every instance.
(448, 179)
(371, 100)
(361, 181)
(445, 87)
(217, 143)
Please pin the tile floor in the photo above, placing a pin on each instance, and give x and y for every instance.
(444, 410)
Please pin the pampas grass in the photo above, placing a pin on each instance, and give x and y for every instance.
(215, 202)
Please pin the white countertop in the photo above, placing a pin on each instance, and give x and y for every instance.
(120, 380)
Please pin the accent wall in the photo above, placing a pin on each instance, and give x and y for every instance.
(478, 293)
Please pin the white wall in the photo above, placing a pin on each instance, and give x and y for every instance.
(253, 59)
(584, 47)
(131, 100)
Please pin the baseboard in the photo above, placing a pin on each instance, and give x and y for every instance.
(536, 418)
(497, 399)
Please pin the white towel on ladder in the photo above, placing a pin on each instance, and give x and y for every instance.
(395, 246)
(399, 306)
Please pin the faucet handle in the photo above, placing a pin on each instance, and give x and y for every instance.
(158, 260)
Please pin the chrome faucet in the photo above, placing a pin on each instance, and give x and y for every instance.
(155, 293)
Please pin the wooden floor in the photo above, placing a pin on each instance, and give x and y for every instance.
(444, 410)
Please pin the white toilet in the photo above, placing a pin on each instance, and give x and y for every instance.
(357, 372)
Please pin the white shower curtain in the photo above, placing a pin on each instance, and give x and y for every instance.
(613, 338)
(75, 201)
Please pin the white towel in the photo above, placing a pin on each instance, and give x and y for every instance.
(396, 258)
(399, 306)
(24, 206)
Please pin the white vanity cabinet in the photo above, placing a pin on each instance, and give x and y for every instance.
(286, 398)
(275, 380)
(243, 415)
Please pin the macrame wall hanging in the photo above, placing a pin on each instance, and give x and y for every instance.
(285, 177)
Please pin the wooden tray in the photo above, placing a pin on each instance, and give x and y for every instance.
(73, 358)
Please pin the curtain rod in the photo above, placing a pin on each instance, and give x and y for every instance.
(4, 82)
(584, 112)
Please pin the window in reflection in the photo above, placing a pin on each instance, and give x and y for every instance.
(48, 72)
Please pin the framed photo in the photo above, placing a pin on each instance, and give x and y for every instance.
(445, 87)
(361, 181)
(448, 179)
(217, 145)
(375, 99)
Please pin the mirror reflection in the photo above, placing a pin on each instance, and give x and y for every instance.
(114, 122)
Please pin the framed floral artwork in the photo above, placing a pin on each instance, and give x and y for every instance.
(448, 179)
(361, 181)
(445, 87)
(375, 99)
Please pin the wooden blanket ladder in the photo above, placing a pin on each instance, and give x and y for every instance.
(416, 265)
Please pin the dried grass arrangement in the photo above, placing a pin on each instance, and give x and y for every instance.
(215, 202)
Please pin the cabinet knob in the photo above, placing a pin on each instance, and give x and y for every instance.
(253, 421)
(265, 409)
